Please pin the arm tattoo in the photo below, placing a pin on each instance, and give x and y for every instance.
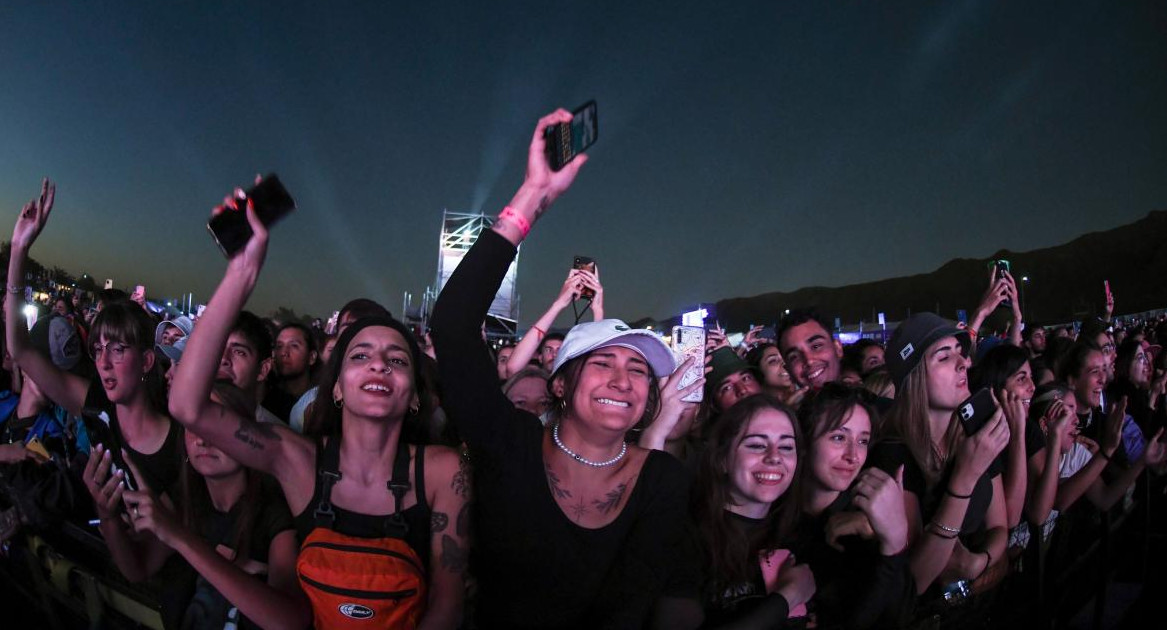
(611, 501)
(453, 555)
(544, 203)
(553, 479)
(460, 483)
(438, 522)
(250, 432)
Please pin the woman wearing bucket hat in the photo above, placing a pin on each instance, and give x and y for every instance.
(954, 498)
(576, 527)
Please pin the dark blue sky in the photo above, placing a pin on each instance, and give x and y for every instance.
(745, 147)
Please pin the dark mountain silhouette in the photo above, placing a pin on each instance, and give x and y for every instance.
(1066, 283)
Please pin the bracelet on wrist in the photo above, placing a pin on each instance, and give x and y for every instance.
(939, 534)
(949, 492)
(1104, 455)
(510, 214)
(15, 289)
(542, 333)
(951, 530)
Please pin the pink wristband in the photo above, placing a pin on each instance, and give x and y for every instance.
(520, 222)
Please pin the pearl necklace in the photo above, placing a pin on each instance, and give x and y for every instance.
(580, 458)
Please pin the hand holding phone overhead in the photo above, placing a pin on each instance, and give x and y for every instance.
(232, 225)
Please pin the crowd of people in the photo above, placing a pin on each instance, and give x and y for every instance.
(255, 474)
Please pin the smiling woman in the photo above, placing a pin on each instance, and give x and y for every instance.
(365, 502)
(743, 516)
(578, 527)
(853, 531)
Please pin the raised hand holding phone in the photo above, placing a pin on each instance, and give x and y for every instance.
(567, 140)
(250, 255)
(268, 199)
(541, 185)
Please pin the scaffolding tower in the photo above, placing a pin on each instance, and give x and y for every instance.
(460, 231)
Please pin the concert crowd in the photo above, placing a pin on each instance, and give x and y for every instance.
(237, 472)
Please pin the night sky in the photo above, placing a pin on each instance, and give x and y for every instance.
(745, 147)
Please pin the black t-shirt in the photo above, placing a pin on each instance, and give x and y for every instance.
(535, 567)
(857, 587)
(890, 454)
(208, 609)
(746, 603)
(159, 468)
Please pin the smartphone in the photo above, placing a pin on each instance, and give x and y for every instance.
(567, 140)
(976, 411)
(1001, 266)
(689, 341)
(97, 424)
(230, 229)
(330, 327)
(587, 264)
(768, 334)
(139, 293)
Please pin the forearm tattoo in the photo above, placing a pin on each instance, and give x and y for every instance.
(438, 522)
(251, 432)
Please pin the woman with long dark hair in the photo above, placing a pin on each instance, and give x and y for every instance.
(128, 392)
(381, 524)
(853, 532)
(745, 512)
(954, 500)
(233, 528)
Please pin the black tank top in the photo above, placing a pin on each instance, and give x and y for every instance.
(417, 517)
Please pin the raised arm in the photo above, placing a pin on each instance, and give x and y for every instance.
(527, 347)
(63, 388)
(275, 450)
(468, 375)
(998, 290)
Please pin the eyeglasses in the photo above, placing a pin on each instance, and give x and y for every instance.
(117, 351)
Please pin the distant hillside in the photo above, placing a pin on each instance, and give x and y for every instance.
(1066, 283)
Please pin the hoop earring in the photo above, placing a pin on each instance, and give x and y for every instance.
(338, 403)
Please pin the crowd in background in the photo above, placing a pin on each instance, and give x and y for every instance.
(254, 473)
